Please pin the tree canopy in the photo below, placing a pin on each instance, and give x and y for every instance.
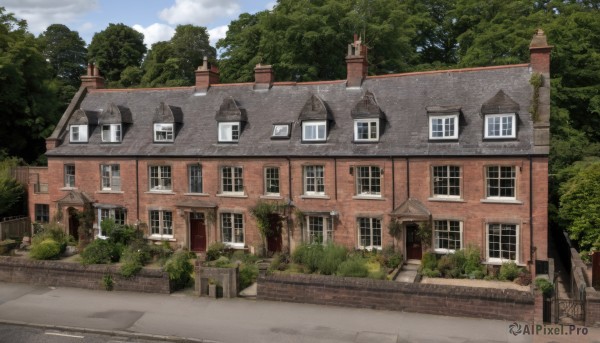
(116, 48)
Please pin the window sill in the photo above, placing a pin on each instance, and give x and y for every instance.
(442, 199)
(370, 248)
(68, 188)
(502, 201)
(444, 251)
(323, 197)
(197, 194)
(235, 245)
(232, 195)
(499, 262)
(368, 197)
(273, 197)
(161, 192)
(110, 192)
(162, 238)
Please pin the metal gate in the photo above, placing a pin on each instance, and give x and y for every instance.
(569, 309)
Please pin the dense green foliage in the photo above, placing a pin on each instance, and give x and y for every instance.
(48, 249)
(100, 251)
(180, 269)
(51, 232)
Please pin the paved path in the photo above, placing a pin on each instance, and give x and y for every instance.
(241, 320)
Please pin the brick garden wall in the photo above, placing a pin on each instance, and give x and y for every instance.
(52, 273)
(385, 295)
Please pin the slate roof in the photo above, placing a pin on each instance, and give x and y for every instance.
(402, 99)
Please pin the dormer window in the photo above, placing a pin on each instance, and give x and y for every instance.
(281, 131)
(314, 131)
(443, 127)
(229, 132)
(366, 130)
(163, 132)
(500, 126)
(78, 133)
(111, 133)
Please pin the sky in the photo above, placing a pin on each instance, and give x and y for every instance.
(156, 19)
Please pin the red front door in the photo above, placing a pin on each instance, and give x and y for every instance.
(274, 240)
(197, 232)
(414, 251)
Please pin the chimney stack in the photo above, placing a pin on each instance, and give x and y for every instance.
(93, 79)
(356, 63)
(263, 77)
(540, 63)
(539, 53)
(206, 75)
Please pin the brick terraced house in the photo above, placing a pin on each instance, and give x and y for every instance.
(464, 151)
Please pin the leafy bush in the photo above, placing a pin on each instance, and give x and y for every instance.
(279, 262)
(353, 267)
(248, 275)
(47, 249)
(100, 252)
(241, 256)
(509, 271)
(545, 286)
(472, 264)
(309, 255)
(54, 232)
(392, 258)
(430, 273)
(215, 250)
(445, 264)
(331, 258)
(120, 234)
(223, 262)
(429, 261)
(378, 275)
(132, 262)
(180, 269)
(162, 252)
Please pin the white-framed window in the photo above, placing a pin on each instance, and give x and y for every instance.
(232, 180)
(443, 127)
(70, 175)
(446, 181)
(161, 223)
(111, 177)
(314, 131)
(42, 213)
(501, 125)
(111, 133)
(319, 229)
(281, 131)
(229, 132)
(160, 178)
(314, 180)
(232, 229)
(503, 242)
(366, 130)
(164, 132)
(195, 178)
(369, 233)
(368, 180)
(447, 235)
(500, 182)
(116, 214)
(272, 181)
(78, 133)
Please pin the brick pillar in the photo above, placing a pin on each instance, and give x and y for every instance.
(206, 75)
(92, 79)
(356, 64)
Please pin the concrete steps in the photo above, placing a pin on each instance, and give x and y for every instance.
(409, 271)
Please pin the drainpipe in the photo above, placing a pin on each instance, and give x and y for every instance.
(393, 185)
(335, 177)
(407, 178)
(289, 238)
(531, 247)
(137, 190)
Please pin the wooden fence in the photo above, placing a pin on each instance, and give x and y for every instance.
(11, 228)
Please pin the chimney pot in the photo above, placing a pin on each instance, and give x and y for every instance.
(206, 75)
(93, 79)
(356, 63)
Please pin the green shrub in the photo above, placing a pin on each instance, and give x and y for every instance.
(445, 264)
(378, 275)
(392, 257)
(180, 269)
(354, 267)
(54, 232)
(100, 251)
(47, 249)
(477, 274)
(545, 286)
(132, 262)
(215, 250)
(241, 256)
(429, 261)
(248, 275)
(308, 255)
(509, 271)
(457, 261)
(331, 258)
(223, 262)
(162, 252)
(108, 282)
(430, 273)
(472, 261)
(299, 252)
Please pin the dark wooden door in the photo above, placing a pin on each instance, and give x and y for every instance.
(74, 224)
(274, 240)
(414, 251)
(197, 233)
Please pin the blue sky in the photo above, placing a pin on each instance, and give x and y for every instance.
(156, 19)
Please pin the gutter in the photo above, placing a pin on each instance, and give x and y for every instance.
(531, 247)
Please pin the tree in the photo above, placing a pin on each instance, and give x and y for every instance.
(65, 51)
(12, 193)
(189, 45)
(580, 204)
(27, 94)
(116, 48)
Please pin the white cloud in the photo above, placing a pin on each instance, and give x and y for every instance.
(42, 13)
(155, 33)
(217, 33)
(271, 5)
(199, 12)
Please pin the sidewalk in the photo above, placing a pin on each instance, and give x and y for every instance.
(242, 320)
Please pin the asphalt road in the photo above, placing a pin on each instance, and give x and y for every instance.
(241, 320)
